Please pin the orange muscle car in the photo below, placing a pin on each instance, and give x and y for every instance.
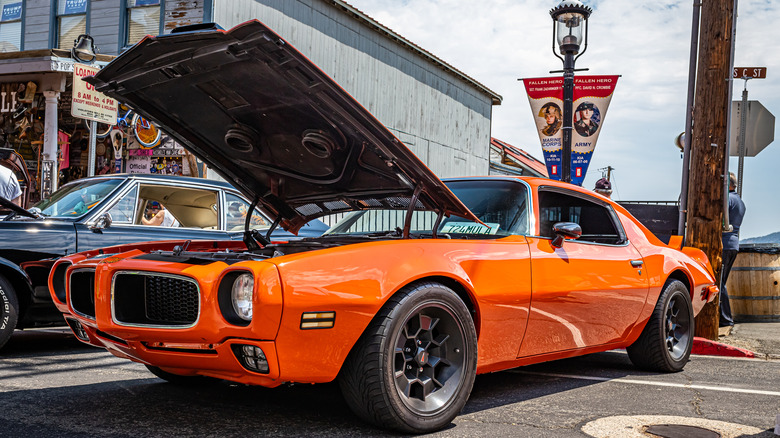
(421, 285)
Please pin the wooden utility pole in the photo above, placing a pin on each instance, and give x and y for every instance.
(708, 146)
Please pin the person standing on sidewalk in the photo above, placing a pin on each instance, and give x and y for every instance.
(730, 248)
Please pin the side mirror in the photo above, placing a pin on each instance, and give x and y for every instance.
(102, 222)
(565, 230)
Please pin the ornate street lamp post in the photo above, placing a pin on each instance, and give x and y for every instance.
(569, 18)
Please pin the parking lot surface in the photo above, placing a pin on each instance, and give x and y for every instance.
(51, 385)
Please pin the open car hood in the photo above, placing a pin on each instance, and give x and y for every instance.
(272, 123)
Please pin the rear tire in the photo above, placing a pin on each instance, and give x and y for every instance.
(666, 341)
(413, 368)
(9, 310)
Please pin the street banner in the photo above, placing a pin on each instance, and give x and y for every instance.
(88, 103)
(592, 95)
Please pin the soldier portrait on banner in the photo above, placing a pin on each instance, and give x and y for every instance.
(590, 100)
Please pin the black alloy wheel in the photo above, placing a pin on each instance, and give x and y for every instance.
(429, 358)
(414, 367)
(666, 341)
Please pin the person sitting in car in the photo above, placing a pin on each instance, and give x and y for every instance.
(159, 215)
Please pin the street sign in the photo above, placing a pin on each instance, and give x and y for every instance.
(750, 72)
(759, 131)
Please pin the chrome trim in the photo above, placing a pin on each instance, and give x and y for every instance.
(154, 274)
(68, 290)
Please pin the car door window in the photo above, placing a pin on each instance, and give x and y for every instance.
(123, 211)
(598, 222)
(236, 209)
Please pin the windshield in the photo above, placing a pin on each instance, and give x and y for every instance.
(78, 198)
(501, 204)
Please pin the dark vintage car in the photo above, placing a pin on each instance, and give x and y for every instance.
(106, 211)
(424, 285)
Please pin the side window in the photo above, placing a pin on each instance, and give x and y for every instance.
(236, 210)
(143, 18)
(123, 211)
(596, 220)
(178, 206)
(11, 25)
(71, 22)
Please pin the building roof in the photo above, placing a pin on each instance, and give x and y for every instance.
(516, 157)
(370, 22)
(42, 61)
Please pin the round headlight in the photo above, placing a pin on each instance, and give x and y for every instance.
(241, 296)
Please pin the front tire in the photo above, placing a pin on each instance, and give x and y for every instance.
(9, 310)
(666, 341)
(414, 367)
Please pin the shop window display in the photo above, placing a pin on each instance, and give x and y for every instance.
(22, 114)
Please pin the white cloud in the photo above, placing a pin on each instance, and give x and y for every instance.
(499, 41)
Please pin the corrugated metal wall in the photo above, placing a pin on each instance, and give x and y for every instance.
(442, 118)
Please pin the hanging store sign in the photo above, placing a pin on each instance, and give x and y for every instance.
(88, 103)
(592, 95)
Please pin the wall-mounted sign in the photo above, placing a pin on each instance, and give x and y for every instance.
(88, 103)
(138, 164)
(9, 96)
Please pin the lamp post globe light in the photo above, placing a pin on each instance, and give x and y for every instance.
(569, 19)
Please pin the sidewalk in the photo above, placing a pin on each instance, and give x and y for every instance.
(761, 338)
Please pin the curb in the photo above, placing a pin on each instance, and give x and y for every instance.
(706, 347)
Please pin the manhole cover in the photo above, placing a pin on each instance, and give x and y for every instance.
(681, 431)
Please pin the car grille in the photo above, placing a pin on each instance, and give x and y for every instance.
(155, 300)
(82, 292)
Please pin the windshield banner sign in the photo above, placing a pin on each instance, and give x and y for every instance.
(592, 95)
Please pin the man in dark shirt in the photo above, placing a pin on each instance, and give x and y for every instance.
(730, 248)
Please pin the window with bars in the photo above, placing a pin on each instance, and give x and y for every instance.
(71, 22)
(10, 25)
(143, 18)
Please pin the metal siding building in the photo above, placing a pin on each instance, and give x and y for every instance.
(441, 114)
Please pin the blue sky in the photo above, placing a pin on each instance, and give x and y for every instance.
(647, 43)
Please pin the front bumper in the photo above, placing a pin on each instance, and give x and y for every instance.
(218, 360)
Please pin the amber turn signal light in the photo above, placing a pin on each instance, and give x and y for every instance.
(317, 320)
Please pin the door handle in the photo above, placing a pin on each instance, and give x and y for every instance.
(637, 263)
